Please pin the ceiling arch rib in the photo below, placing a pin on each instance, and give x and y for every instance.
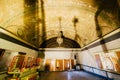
(52, 43)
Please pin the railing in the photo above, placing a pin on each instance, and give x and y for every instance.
(101, 72)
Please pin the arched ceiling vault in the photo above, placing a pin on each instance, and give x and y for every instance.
(88, 14)
(37, 21)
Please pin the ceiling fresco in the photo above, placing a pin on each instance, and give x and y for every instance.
(38, 20)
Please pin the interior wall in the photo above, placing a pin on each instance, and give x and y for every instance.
(58, 54)
(4, 44)
(13, 51)
(87, 56)
(60, 59)
(102, 59)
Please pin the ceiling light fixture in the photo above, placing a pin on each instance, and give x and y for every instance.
(60, 34)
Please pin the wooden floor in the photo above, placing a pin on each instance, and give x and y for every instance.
(68, 75)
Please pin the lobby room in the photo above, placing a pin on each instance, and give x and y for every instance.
(59, 39)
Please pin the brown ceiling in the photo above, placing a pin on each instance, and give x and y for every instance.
(36, 22)
(90, 14)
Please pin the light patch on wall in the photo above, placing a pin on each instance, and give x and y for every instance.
(58, 54)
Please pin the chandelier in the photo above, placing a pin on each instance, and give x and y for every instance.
(60, 34)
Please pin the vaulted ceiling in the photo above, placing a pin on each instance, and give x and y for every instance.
(81, 20)
(89, 13)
